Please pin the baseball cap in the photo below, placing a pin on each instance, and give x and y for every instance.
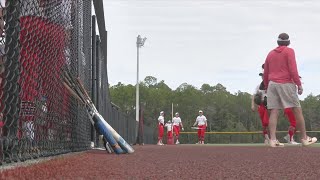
(177, 113)
(200, 111)
(283, 37)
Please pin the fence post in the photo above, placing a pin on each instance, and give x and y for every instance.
(11, 88)
(140, 129)
(93, 63)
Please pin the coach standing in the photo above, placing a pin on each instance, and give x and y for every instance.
(281, 80)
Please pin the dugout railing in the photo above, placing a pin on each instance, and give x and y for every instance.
(40, 40)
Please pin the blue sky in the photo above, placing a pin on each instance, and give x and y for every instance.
(210, 41)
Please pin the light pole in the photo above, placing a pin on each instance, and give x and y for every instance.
(140, 43)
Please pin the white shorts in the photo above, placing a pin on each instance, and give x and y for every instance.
(282, 95)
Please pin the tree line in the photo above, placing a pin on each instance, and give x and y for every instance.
(225, 111)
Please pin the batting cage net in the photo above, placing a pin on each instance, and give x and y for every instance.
(41, 41)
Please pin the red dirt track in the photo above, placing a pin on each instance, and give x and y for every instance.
(179, 162)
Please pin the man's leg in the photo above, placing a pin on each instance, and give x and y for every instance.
(199, 135)
(274, 104)
(169, 137)
(176, 130)
(300, 122)
(273, 142)
(273, 123)
(202, 134)
(263, 113)
(291, 118)
(305, 140)
(160, 132)
(161, 135)
(290, 99)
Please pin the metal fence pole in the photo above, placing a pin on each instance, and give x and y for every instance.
(94, 79)
(11, 87)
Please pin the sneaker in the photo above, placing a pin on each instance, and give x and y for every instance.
(293, 142)
(275, 143)
(177, 142)
(308, 141)
(159, 144)
(266, 142)
(287, 138)
(202, 142)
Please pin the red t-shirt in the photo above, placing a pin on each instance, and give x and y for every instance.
(281, 67)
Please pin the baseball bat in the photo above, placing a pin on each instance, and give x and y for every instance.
(196, 128)
(92, 111)
(107, 145)
(106, 134)
(122, 143)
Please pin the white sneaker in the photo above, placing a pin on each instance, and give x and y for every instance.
(266, 142)
(287, 138)
(159, 144)
(275, 143)
(177, 142)
(308, 141)
(293, 142)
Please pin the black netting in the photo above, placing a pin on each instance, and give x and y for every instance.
(40, 41)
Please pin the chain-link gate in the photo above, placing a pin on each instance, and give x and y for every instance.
(40, 40)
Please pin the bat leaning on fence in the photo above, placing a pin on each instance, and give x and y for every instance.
(77, 89)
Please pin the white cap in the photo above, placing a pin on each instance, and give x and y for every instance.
(200, 111)
(177, 113)
(161, 112)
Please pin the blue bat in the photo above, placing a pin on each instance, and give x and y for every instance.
(100, 127)
(123, 144)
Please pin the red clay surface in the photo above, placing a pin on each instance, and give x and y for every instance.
(179, 162)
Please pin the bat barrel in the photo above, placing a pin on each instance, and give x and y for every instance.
(124, 145)
(107, 135)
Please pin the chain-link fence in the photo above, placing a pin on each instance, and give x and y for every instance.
(41, 39)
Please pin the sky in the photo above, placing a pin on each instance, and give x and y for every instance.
(210, 41)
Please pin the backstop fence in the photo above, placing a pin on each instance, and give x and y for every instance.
(40, 40)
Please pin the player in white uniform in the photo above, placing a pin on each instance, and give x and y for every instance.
(177, 123)
(169, 127)
(202, 125)
(262, 109)
(160, 128)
